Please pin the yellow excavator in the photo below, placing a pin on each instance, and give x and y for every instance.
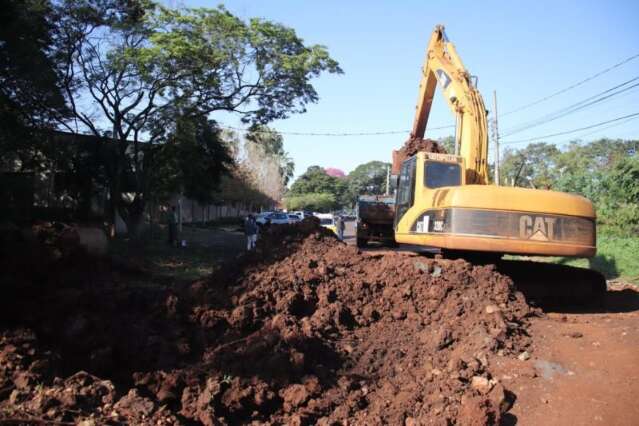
(445, 200)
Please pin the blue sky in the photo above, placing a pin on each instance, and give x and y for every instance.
(524, 50)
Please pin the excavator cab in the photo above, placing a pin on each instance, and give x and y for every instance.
(438, 171)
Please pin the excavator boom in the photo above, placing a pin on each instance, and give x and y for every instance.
(443, 65)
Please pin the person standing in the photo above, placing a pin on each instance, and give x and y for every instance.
(250, 229)
(173, 222)
(340, 227)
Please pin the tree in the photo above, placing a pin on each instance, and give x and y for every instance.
(192, 161)
(605, 171)
(30, 85)
(272, 143)
(133, 66)
(448, 143)
(318, 202)
(368, 178)
(619, 199)
(337, 173)
(533, 166)
(316, 181)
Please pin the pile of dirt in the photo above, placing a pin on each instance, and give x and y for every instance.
(304, 330)
(411, 147)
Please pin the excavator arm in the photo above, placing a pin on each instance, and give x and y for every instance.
(443, 65)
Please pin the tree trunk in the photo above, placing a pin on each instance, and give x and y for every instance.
(133, 215)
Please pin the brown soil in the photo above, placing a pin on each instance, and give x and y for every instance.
(412, 147)
(583, 366)
(306, 330)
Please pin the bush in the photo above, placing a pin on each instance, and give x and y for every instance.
(619, 199)
(320, 202)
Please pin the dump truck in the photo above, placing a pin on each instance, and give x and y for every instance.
(375, 216)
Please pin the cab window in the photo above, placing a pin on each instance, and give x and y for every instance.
(438, 174)
(405, 196)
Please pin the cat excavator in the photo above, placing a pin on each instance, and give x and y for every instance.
(445, 200)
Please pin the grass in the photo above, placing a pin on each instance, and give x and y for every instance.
(205, 250)
(617, 258)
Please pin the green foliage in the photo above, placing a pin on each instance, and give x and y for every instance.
(316, 190)
(136, 66)
(619, 200)
(192, 161)
(368, 178)
(30, 81)
(315, 180)
(216, 61)
(318, 202)
(533, 166)
(605, 171)
(448, 143)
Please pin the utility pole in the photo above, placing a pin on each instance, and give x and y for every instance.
(496, 137)
(387, 180)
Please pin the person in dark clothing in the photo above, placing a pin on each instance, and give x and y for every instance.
(340, 225)
(250, 230)
(173, 226)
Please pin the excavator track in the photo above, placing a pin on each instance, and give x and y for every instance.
(547, 285)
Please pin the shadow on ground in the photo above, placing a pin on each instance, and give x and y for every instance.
(563, 288)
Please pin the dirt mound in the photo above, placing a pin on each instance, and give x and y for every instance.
(412, 147)
(304, 330)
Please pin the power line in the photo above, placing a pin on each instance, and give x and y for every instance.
(578, 106)
(608, 127)
(579, 83)
(636, 114)
(334, 134)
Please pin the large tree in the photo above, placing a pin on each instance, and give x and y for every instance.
(133, 66)
(316, 181)
(368, 178)
(30, 84)
(192, 161)
(272, 143)
(534, 166)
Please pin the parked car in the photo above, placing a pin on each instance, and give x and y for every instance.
(293, 218)
(302, 214)
(261, 217)
(275, 218)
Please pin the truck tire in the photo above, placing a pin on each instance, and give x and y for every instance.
(362, 242)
